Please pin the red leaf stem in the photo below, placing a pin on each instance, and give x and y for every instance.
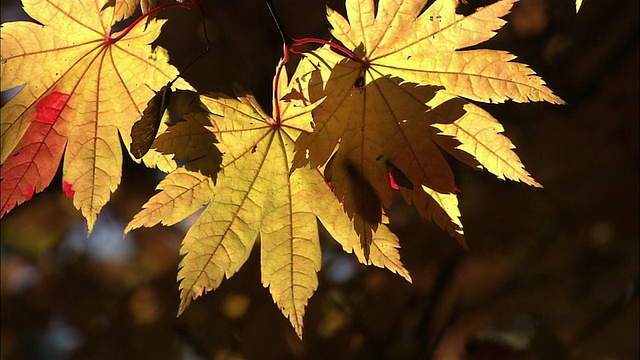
(289, 49)
(348, 53)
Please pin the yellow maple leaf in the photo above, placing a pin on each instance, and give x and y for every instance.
(123, 9)
(425, 48)
(382, 128)
(389, 109)
(257, 197)
(106, 80)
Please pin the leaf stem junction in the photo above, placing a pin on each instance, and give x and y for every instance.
(289, 47)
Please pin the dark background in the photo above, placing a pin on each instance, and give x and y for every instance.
(551, 273)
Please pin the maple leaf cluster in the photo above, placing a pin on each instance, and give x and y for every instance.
(350, 128)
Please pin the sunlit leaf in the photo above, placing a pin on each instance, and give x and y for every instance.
(257, 197)
(389, 115)
(34, 161)
(123, 9)
(105, 85)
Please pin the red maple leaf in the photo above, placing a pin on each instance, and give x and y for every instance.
(34, 161)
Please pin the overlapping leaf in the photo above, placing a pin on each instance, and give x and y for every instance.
(384, 111)
(123, 9)
(257, 197)
(359, 129)
(424, 48)
(82, 90)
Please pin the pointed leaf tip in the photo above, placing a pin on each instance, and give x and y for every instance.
(68, 189)
(30, 191)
